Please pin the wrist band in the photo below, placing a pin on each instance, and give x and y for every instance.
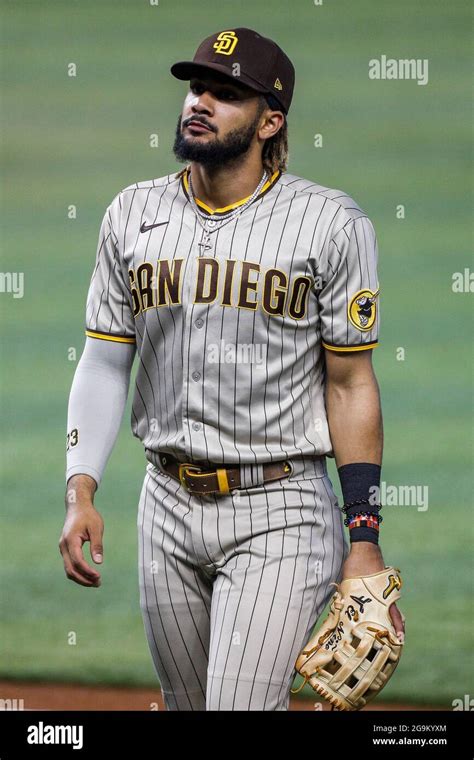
(358, 481)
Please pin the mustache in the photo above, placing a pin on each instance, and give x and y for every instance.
(198, 119)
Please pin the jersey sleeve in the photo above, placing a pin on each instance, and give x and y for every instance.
(349, 296)
(109, 313)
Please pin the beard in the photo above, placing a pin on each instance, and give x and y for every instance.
(218, 152)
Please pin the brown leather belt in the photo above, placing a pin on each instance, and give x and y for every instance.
(220, 478)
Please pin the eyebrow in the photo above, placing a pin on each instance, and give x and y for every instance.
(223, 85)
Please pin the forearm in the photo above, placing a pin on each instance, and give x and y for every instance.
(96, 406)
(356, 429)
(355, 420)
(355, 425)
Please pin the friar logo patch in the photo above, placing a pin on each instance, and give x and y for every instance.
(363, 309)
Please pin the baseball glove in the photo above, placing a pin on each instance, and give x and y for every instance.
(355, 651)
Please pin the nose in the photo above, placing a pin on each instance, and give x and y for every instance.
(202, 103)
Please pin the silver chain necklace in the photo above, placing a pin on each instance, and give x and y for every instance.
(211, 224)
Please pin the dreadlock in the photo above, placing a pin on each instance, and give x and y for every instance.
(275, 151)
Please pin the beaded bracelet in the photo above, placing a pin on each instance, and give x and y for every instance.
(357, 503)
(364, 520)
(363, 515)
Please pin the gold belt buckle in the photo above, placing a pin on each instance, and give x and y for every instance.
(222, 481)
(186, 465)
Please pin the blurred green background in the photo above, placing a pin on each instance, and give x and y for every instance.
(80, 140)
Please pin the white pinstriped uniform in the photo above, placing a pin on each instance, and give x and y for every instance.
(231, 370)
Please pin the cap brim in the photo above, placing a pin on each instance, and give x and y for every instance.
(186, 70)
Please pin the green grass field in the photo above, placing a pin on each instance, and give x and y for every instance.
(80, 140)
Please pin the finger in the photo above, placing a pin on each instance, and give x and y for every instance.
(96, 547)
(401, 618)
(78, 562)
(397, 621)
(80, 579)
(75, 576)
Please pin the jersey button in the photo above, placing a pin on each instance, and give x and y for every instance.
(199, 323)
(196, 426)
(196, 376)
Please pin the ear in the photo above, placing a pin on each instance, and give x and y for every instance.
(273, 122)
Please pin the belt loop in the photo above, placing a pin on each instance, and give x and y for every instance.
(246, 476)
(321, 466)
(222, 480)
(251, 475)
(257, 474)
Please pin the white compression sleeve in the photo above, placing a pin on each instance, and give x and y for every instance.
(96, 405)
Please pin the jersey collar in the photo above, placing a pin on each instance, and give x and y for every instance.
(208, 210)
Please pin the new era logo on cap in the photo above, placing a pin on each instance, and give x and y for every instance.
(262, 64)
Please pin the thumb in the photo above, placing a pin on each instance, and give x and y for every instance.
(97, 550)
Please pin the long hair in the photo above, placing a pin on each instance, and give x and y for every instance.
(275, 152)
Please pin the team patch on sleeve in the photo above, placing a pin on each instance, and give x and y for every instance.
(362, 309)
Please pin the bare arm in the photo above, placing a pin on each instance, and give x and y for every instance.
(353, 407)
(355, 425)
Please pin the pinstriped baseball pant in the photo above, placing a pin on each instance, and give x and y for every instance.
(232, 585)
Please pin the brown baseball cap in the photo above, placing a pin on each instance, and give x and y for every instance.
(245, 56)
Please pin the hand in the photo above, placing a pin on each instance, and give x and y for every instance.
(366, 558)
(83, 523)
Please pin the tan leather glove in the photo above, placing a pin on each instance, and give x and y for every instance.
(355, 651)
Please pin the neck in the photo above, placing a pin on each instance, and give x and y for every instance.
(223, 185)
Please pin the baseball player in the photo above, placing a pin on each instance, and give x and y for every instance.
(250, 300)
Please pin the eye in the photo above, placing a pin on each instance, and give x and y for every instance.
(227, 95)
(196, 88)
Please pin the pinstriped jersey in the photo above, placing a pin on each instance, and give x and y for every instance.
(231, 332)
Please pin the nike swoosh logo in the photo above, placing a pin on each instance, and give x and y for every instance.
(146, 227)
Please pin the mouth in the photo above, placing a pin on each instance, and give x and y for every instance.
(197, 126)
